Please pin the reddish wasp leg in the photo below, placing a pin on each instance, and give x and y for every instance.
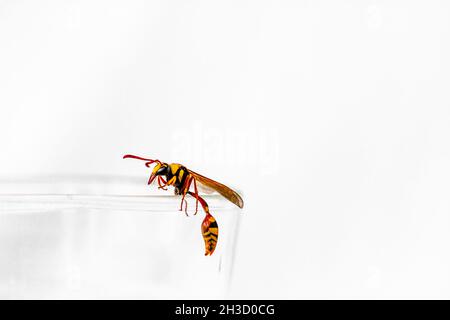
(196, 196)
(181, 205)
(184, 193)
(186, 186)
(167, 183)
(201, 200)
(160, 180)
(185, 207)
(160, 183)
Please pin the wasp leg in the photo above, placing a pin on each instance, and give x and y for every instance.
(185, 207)
(168, 183)
(196, 196)
(181, 205)
(185, 188)
(201, 200)
(160, 181)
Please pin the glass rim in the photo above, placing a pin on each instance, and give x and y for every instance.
(102, 192)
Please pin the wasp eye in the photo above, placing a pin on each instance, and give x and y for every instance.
(161, 171)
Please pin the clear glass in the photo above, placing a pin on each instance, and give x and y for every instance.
(109, 238)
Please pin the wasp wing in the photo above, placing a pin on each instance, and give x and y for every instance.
(210, 185)
(205, 189)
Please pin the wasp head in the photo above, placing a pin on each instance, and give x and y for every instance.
(160, 169)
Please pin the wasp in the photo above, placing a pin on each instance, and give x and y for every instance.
(186, 182)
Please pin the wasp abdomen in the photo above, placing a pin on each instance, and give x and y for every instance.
(210, 232)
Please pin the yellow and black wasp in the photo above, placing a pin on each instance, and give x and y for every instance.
(183, 179)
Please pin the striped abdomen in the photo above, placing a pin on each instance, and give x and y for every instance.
(210, 232)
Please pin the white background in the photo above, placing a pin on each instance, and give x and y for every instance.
(332, 118)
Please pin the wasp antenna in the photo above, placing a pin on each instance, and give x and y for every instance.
(150, 161)
(136, 157)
